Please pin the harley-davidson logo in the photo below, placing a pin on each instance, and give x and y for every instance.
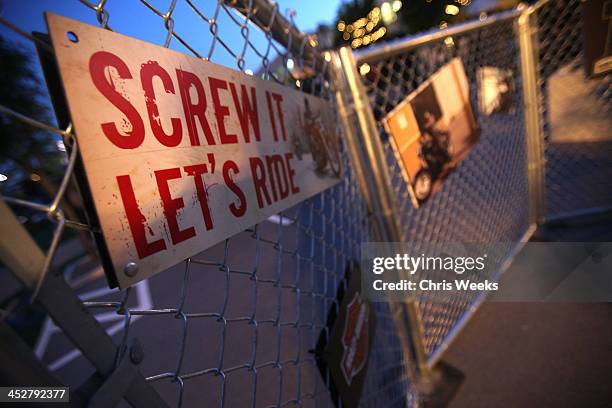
(355, 338)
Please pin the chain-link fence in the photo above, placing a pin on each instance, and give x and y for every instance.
(486, 198)
(236, 325)
(576, 113)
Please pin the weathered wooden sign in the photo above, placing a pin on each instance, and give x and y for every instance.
(179, 153)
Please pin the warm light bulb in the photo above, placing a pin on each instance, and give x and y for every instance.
(451, 10)
(364, 69)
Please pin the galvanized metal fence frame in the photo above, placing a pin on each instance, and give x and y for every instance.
(528, 35)
(372, 151)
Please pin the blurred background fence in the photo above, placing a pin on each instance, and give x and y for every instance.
(237, 324)
(486, 198)
(576, 114)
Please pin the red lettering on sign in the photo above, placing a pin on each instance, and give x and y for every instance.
(279, 99)
(240, 209)
(196, 172)
(172, 205)
(137, 220)
(294, 189)
(247, 112)
(99, 65)
(259, 181)
(147, 72)
(276, 169)
(186, 80)
(279, 176)
(221, 111)
(271, 116)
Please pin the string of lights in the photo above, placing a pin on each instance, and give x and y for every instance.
(371, 28)
(368, 29)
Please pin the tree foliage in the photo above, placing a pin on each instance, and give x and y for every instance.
(21, 90)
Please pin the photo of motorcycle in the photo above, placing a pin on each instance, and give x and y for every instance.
(432, 130)
(434, 156)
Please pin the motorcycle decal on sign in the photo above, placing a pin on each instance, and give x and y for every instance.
(343, 348)
(180, 153)
(355, 339)
(432, 130)
(309, 138)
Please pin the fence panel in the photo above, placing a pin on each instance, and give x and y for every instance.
(576, 113)
(237, 324)
(486, 198)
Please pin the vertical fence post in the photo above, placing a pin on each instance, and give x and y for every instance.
(369, 162)
(527, 37)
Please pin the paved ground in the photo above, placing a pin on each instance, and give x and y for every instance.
(538, 354)
(572, 97)
(578, 176)
(535, 355)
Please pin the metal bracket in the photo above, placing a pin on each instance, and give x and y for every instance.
(120, 380)
(24, 258)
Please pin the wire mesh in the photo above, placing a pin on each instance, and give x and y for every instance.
(485, 199)
(237, 324)
(576, 114)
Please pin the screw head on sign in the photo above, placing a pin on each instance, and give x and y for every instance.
(130, 269)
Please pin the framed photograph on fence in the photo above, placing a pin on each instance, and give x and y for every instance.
(495, 90)
(432, 130)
